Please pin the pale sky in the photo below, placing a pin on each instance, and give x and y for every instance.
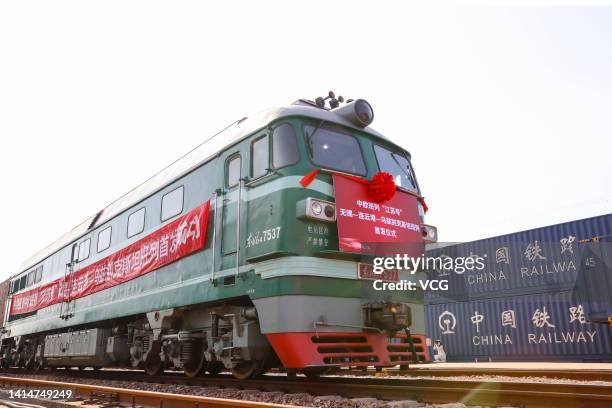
(506, 110)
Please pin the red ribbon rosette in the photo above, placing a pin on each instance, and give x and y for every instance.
(382, 187)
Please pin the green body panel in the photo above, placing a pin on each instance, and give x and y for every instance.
(271, 238)
(164, 289)
(276, 208)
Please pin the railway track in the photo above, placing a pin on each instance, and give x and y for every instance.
(116, 397)
(566, 374)
(432, 390)
(579, 375)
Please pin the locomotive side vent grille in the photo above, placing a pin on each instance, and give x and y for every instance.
(332, 349)
(345, 349)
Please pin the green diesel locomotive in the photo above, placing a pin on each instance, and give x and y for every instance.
(234, 257)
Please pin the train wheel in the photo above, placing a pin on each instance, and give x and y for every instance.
(197, 364)
(154, 365)
(248, 369)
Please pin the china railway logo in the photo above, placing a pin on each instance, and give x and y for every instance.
(447, 322)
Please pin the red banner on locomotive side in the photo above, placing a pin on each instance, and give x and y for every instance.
(365, 226)
(173, 241)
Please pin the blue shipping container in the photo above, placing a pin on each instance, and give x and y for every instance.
(544, 327)
(537, 298)
(548, 259)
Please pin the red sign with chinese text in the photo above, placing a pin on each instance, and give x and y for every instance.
(173, 241)
(367, 227)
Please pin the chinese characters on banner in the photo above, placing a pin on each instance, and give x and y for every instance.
(173, 241)
(364, 226)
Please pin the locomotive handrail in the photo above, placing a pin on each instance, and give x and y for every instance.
(255, 182)
(214, 237)
(67, 276)
(238, 210)
(352, 326)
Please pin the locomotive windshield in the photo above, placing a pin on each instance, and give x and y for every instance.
(334, 149)
(397, 164)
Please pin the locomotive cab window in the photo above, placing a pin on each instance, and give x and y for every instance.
(136, 222)
(398, 165)
(260, 157)
(104, 239)
(284, 146)
(232, 171)
(334, 149)
(84, 249)
(172, 204)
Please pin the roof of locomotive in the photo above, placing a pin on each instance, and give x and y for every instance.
(196, 157)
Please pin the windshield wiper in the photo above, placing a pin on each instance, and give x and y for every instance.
(309, 137)
(406, 171)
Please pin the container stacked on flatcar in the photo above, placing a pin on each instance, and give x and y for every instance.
(543, 295)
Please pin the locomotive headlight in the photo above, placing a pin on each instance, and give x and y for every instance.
(358, 112)
(314, 208)
(364, 112)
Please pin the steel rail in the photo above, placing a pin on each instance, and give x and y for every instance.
(570, 374)
(478, 392)
(578, 375)
(133, 398)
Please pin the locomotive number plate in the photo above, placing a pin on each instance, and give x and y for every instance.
(366, 271)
